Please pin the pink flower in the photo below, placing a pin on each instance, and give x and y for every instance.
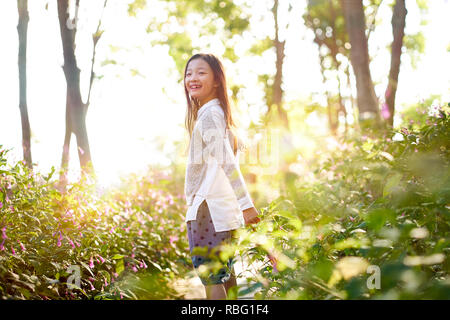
(1, 245)
(4, 233)
(134, 269)
(12, 250)
(101, 258)
(59, 239)
(172, 239)
(385, 111)
(405, 131)
(1, 204)
(71, 242)
(21, 246)
(140, 232)
(91, 263)
(273, 260)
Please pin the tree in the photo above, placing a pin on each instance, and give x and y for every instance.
(398, 31)
(359, 57)
(325, 19)
(22, 29)
(76, 110)
(277, 91)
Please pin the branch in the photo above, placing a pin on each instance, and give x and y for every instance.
(372, 23)
(95, 38)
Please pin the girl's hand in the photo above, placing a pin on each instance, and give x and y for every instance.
(251, 216)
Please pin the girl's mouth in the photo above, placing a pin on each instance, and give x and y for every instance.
(195, 87)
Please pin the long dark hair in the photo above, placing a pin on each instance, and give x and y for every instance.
(193, 104)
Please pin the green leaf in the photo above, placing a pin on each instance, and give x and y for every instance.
(120, 267)
(392, 182)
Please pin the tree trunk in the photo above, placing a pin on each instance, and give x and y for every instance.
(22, 30)
(398, 30)
(75, 108)
(277, 97)
(359, 57)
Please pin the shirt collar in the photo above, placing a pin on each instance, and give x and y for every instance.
(210, 103)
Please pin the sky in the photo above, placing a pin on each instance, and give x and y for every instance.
(130, 115)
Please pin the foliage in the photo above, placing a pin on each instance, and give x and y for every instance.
(126, 244)
(377, 202)
(218, 19)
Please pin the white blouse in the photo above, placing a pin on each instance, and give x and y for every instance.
(212, 171)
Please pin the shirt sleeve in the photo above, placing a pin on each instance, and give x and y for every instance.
(217, 145)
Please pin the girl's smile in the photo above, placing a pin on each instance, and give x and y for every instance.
(199, 81)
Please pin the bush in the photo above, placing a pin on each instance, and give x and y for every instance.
(127, 244)
(379, 207)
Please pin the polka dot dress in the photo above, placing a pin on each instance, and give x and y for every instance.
(201, 233)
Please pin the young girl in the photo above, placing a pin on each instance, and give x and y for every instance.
(216, 194)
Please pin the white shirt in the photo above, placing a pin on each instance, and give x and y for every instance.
(212, 171)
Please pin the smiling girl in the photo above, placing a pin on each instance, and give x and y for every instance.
(216, 194)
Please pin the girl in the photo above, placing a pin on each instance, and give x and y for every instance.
(216, 194)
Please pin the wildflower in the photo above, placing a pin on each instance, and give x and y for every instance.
(71, 242)
(1, 204)
(12, 250)
(101, 258)
(140, 232)
(143, 265)
(91, 263)
(21, 245)
(385, 111)
(405, 131)
(134, 269)
(172, 239)
(4, 233)
(59, 239)
(1, 245)
(273, 260)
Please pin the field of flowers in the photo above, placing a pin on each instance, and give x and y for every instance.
(374, 225)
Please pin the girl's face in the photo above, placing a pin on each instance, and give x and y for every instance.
(199, 81)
